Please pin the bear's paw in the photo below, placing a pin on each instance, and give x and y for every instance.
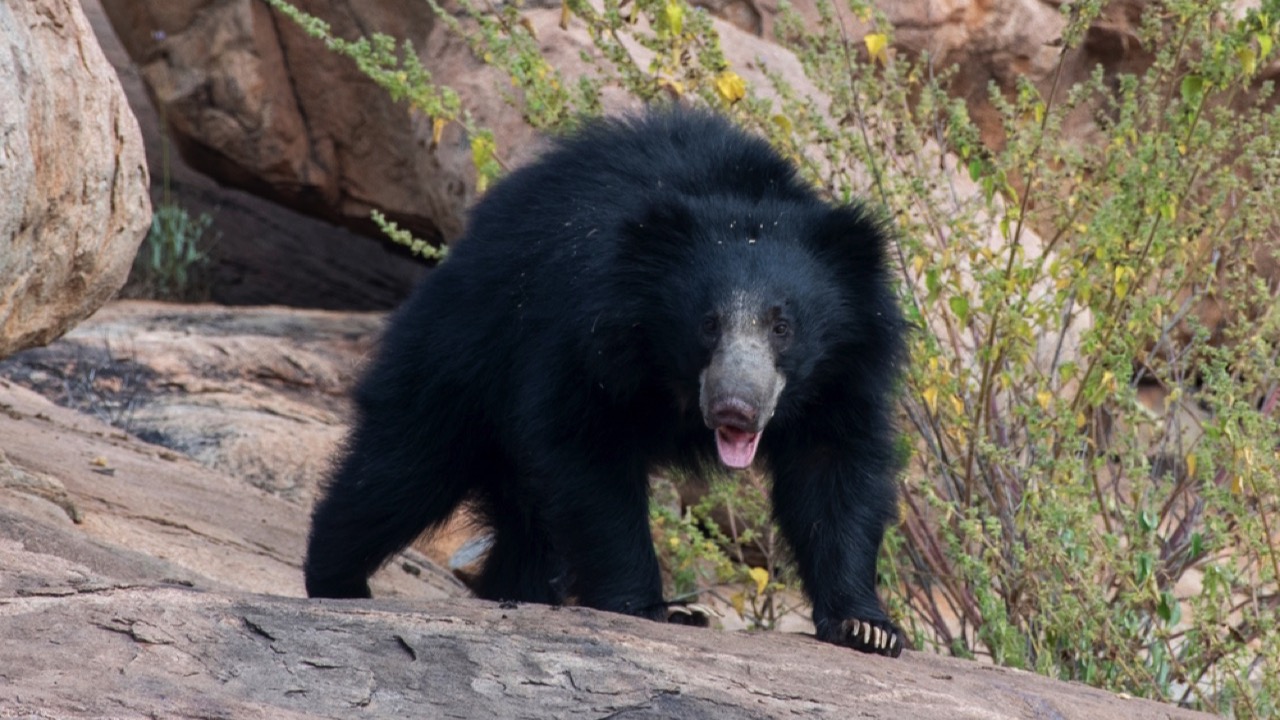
(879, 637)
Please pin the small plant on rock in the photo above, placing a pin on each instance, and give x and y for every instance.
(173, 261)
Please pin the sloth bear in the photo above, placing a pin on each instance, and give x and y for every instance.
(653, 291)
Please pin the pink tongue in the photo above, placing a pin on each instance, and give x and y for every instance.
(737, 447)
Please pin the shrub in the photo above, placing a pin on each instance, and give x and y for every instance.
(724, 543)
(173, 261)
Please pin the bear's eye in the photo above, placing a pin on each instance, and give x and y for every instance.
(781, 328)
(710, 326)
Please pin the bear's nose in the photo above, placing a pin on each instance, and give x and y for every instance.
(733, 412)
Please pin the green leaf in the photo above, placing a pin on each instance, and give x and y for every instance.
(1192, 89)
(975, 169)
(673, 15)
(1148, 520)
(1168, 608)
(932, 283)
(1145, 564)
(988, 187)
(960, 306)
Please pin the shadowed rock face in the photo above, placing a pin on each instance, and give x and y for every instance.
(73, 180)
(253, 102)
(262, 252)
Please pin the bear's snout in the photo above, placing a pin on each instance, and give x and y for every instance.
(733, 412)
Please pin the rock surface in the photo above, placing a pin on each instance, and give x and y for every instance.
(73, 180)
(182, 654)
(259, 394)
(997, 42)
(112, 509)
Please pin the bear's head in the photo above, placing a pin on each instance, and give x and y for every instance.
(742, 304)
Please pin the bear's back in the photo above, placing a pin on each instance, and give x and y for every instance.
(611, 171)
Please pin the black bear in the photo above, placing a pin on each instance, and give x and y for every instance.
(653, 291)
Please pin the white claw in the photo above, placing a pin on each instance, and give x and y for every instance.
(854, 627)
(866, 637)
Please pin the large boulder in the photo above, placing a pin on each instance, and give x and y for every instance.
(73, 180)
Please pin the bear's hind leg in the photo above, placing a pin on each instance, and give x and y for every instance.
(386, 492)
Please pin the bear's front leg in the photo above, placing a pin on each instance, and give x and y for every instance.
(833, 510)
(598, 518)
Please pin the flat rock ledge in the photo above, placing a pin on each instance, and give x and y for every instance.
(126, 652)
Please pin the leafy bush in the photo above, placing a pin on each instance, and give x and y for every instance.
(172, 263)
(1095, 485)
(1095, 478)
(724, 543)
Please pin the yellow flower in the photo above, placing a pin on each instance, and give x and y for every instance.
(877, 44)
(730, 86)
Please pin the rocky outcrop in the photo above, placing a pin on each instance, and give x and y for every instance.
(85, 506)
(256, 104)
(259, 394)
(176, 653)
(73, 180)
(997, 42)
(253, 102)
(263, 253)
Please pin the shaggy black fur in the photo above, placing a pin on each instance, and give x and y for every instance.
(654, 290)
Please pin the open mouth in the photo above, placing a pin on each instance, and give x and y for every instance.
(737, 447)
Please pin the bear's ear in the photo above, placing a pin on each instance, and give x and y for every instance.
(853, 240)
(660, 232)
